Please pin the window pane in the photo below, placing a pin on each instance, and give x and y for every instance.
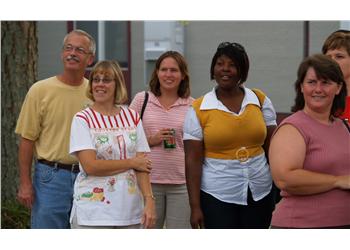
(91, 28)
(116, 42)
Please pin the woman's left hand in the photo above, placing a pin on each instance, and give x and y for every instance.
(149, 213)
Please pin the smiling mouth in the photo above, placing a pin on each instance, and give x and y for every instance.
(318, 97)
(225, 77)
(100, 91)
(168, 81)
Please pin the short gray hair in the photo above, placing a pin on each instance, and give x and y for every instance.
(83, 33)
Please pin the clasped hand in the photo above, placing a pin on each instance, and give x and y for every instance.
(142, 163)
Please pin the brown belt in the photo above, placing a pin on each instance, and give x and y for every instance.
(70, 167)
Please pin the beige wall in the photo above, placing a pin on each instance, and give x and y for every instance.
(137, 58)
(275, 49)
(50, 36)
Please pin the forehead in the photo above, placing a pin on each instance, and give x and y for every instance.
(103, 71)
(77, 39)
(337, 50)
(310, 73)
(169, 62)
(224, 57)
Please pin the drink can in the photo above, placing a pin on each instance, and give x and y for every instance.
(171, 142)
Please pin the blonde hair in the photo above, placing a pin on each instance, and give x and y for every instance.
(110, 68)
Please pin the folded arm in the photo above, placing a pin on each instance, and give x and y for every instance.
(287, 153)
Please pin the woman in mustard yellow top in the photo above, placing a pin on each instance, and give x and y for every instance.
(226, 134)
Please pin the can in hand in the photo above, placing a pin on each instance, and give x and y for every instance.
(170, 143)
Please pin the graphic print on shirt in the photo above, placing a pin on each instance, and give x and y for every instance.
(122, 148)
(102, 139)
(133, 139)
(114, 138)
(131, 178)
(97, 194)
(111, 182)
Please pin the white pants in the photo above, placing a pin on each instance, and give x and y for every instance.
(172, 206)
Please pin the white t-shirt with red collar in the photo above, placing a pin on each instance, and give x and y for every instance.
(108, 200)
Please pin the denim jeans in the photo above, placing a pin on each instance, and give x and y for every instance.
(53, 197)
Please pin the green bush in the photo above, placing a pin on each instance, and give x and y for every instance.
(14, 215)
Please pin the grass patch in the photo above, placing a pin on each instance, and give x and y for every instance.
(14, 215)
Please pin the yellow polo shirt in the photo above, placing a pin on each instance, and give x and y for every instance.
(46, 117)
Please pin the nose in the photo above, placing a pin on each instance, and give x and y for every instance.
(225, 66)
(318, 86)
(168, 72)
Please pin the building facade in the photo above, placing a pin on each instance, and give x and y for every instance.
(275, 49)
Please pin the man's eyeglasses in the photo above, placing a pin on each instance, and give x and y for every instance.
(104, 80)
(224, 45)
(80, 50)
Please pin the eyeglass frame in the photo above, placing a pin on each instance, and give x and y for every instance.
(104, 80)
(80, 50)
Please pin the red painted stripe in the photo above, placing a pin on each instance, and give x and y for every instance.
(122, 147)
(110, 122)
(126, 117)
(132, 116)
(120, 117)
(83, 117)
(102, 118)
(116, 122)
(92, 120)
(94, 114)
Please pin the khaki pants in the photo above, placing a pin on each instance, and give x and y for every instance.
(172, 206)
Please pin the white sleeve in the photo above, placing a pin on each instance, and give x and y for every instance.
(192, 128)
(80, 137)
(141, 144)
(269, 112)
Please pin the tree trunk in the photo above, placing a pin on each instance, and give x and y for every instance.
(19, 54)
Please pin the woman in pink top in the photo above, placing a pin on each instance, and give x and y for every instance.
(310, 152)
(337, 46)
(168, 102)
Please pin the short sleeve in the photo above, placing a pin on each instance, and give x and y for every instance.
(269, 112)
(192, 128)
(29, 120)
(80, 137)
(142, 144)
(137, 102)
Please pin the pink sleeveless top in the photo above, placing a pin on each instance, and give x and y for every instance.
(328, 151)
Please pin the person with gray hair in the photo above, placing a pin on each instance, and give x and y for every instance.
(44, 129)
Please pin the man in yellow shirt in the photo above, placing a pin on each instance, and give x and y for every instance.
(44, 127)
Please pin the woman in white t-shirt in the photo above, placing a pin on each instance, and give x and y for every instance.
(113, 188)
